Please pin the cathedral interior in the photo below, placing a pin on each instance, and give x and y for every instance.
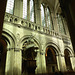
(37, 37)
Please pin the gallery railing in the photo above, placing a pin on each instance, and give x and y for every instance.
(20, 22)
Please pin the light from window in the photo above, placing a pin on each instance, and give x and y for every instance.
(48, 19)
(31, 11)
(10, 6)
(42, 15)
(25, 9)
(61, 26)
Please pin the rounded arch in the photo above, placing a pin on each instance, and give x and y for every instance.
(68, 53)
(51, 51)
(57, 49)
(9, 38)
(70, 50)
(23, 39)
(29, 45)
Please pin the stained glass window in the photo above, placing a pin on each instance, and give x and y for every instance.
(25, 9)
(31, 10)
(48, 19)
(61, 24)
(10, 6)
(42, 15)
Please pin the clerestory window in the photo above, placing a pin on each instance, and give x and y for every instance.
(49, 24)
(31, 10)
(28, 5)
(10, 6)
(25, 9)
(42, 15)
(61, 24)
(46, 17)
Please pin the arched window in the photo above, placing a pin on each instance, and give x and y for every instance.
(31, 10)
(10, 6)
(48, 19)
(25, 9)
(61, 24)
(42, 15)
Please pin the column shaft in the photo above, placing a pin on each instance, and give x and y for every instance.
(18, 8)
(9, 62)
(17, 62)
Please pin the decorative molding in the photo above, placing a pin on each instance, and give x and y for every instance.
(20, 22)
(15, 49)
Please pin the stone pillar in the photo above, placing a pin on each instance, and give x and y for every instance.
(18, 8)
(52, 20)
(35, 11)
(72, 59)
(9, 62)
(38, 63)
(17, 61)
(43, 62)
(45, 9)
(28, 10)
(38, 17)
(61, 63)
(58, 63)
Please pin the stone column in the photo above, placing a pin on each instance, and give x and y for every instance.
(61, 63)
(45, 12)
(35, 12)
(43, 62)
(9, 62)
(38, 63)
(18, 8)
(38, 12)
(72, 59)
(51, 20)
(58, 63)
(17, 61)
(28, 10)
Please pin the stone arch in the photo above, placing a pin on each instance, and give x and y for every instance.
(7, 42)
(29, 51)
(70, 50)
(9, 38)
(68, 53)
(23, 39)
(57, 49)
(52, 50)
